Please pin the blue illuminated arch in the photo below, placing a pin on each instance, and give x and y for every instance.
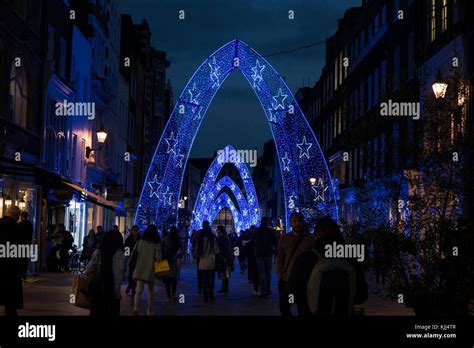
(298, 150)
(207, 193)
(206, 198)
(223, 201)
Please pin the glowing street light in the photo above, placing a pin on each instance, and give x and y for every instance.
(439, 86)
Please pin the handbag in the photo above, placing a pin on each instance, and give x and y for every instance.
(162, 268)
(132, 263)
(78, 285)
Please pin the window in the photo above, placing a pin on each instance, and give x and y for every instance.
(336, 75)
(444, 16)
(432, 20)
(18, 95)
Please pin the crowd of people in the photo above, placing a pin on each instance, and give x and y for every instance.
(316, 285)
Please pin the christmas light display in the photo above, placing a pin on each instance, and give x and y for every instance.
(206, 198)
(300, 156)
(223, 201)
(207, 191)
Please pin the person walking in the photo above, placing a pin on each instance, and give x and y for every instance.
(88, 246)
(225, 250)
(242, 256)
(207, 249)
(25, 230)
(111, 259)
(194, 243)
(170, 247)
(148, 250)
(99, 234)
(253, 271)
(11, 287)
(130, 243)
(327, 232)
(264, 246)
(290, 246)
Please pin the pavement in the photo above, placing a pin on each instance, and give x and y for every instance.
(50, 294)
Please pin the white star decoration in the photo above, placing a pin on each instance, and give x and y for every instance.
(291, 202)
(272, 117)
(319, 190)
(286, 162)
(214, 74)
(180, 158)
(192, 95)
(279, 100)
(257, 74)
(172, 142)
(167, 196)
(197, 115)
(304, 144)
(154, 190)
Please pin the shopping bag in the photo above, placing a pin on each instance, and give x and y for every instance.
(162, 268)
(78, 284)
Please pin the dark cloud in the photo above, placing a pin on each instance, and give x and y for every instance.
(264, 25)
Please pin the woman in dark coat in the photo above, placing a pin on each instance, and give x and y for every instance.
(170, 248)
(225, 249)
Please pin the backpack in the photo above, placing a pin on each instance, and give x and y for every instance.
(332, 287)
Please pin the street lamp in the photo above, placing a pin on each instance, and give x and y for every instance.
(101, 134)
(439, 86)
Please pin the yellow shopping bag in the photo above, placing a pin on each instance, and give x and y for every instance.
(162, 268)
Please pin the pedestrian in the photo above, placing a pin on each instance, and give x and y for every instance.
(99, 234)
(88, 246)
(130, 243)
(11, 287)
(252, 261)
(207, 249)
(194, 242)
(264, 246)
(64, 242)
(225, 251)
(242, 256)
(302, 284)
(148, 250)
(170, 247)
(110, 258)
(25, 230)
(290, 246)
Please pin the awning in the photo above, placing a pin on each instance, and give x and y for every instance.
(95, 198)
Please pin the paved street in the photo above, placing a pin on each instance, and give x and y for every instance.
(49, 295)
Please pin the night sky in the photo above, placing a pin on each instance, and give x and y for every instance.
(235, 117)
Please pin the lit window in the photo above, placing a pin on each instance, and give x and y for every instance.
(432, 20)
(18, 95)
(444, 16)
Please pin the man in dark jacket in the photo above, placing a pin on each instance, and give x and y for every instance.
(129, 245)
(25, 230)
(11, 287)
(328, 232)
(225, 249)
(263, 248)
